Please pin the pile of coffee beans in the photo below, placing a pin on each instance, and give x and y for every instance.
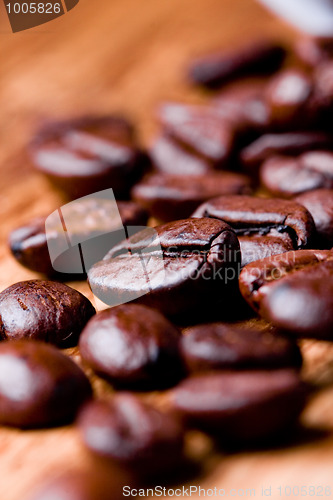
(208, 301)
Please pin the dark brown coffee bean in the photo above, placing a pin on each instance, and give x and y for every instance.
(177, 267)
(90, 222)
(290, 143)
(288, 95)
(241, 406)
(43, 310)
(285, 176)
(171, 197)
(88, 154)
(170, 158)
(213, 70)
(90, 484)
(39, 386)
(294, 291)
(223, 346)
(132, 345)
(200, 129)
(133, 433)
(264, 226)
(320, 205)
(243, 105)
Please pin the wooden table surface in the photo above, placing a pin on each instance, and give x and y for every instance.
(127, 55)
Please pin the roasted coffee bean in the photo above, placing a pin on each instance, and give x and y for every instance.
(133, 433)
(243, 105)
(290, 143)
(223, 346)
(285, 176)
(294, 291)
(132, 345)
(43, 310)
(90, 222)
(172, 197)
(288, 97)
(177, 267)
(241, 406)
(39, 386)
(88, 154)
(170, 158)
(320, 205)
(213, 70)
(200, 129)
(264, 226)
(90, 484)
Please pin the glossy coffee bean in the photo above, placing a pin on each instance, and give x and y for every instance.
(133, 433)
(293, 291)
(169, 157)
(223, 346)
(289, 143)
(88, 154)
(241, 407)
(285, 176)
(90, 222)
(264, 226)
(39, 386)
(43, 310)
(320, 205)
(288, 95)
(200, 129)
(89, 484)
(172, 197)
(178, 267)
(243, 105)
(257, 58)
(132, 345)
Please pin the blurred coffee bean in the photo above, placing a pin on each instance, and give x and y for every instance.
(85, 155)
(289, 143)
(293, 291)
(320, 205)
(224, 346)
(132, 433)
(200, 129)
(313, 51)
(39, 386)
(243, 105)
(170, 158)
(287, 96)
(172, 197)
(285, 176)
(132, 345)
(241, 407)
(43, 310)
(91, 223)
(213, 70)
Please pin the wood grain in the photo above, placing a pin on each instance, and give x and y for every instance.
(126, 56)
